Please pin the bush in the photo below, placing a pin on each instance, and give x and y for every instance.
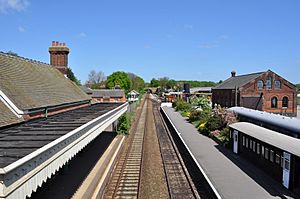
(201, 103)
(202, 116)
(214, 122)
(203, 129)
(124, 124)
(181, 105)
(224, 135)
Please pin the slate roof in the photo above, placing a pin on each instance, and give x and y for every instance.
(7, 117)
(108, 93)
(87, 90)
(31, 84)
(22, 139)
(237, 81)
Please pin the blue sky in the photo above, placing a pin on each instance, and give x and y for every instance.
(181, 39)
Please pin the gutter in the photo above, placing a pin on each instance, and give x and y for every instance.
(49, 108)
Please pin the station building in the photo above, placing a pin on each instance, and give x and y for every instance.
(265, 91)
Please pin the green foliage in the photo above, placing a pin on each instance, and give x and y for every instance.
(298, 100)
(298, 87)
(194, 83)
(200, 102)
(124, 124)
(154, 83)
(181, 105)
(224, 134)
(214, 122)
(138, 83)
(166, 83)
(171, 84)
(197, 115)
(72, 77)
(119, 78)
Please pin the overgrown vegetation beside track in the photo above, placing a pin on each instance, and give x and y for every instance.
(125, 121)
(208, 121)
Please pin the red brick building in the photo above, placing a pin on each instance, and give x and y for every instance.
(265, 91)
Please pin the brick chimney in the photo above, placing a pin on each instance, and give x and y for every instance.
(59, 56)
(233, 73)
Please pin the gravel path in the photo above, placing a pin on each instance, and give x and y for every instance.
(153, 182)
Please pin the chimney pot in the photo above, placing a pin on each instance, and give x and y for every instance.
(56, 43)
(233, 73)
(53, 43)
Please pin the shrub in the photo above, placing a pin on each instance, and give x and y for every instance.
(202, 116)
(224, 134)
(214, 122)
(203, 129)
(124, 124)
(181, 105)
(201, 103)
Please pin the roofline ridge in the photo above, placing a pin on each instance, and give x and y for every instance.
(251, 74)
(23, 58)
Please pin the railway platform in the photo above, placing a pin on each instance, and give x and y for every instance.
(230, 176)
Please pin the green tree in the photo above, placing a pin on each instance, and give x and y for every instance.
(138, 84)
(298, 87)
(124, 124)
(72, 77)
(171, 84)
(119, 78)
(154, 82)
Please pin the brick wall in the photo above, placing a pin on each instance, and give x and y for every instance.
(287, 90)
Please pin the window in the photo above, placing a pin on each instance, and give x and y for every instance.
(277, 84)
(285, 102)
(271, 155)
(267, 153)
(262, 151)
(258, 148)
(269, 83)
(253, 148)
(260, 84)
(277, 159)
(246, 142)
(243, 140)
(250, 144)
(274, 102)
(286, 164)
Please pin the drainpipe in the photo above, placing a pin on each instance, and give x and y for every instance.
(235, 96)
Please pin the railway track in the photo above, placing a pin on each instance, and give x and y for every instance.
(125, 181)
(179, 182)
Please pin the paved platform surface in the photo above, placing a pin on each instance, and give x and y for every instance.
(232, 176)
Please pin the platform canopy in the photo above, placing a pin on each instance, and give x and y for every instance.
(279, 140)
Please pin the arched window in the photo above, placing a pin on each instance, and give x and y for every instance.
(285, 102)
(260, 84)
(274, 102)
(269, 83)
(277, 84)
